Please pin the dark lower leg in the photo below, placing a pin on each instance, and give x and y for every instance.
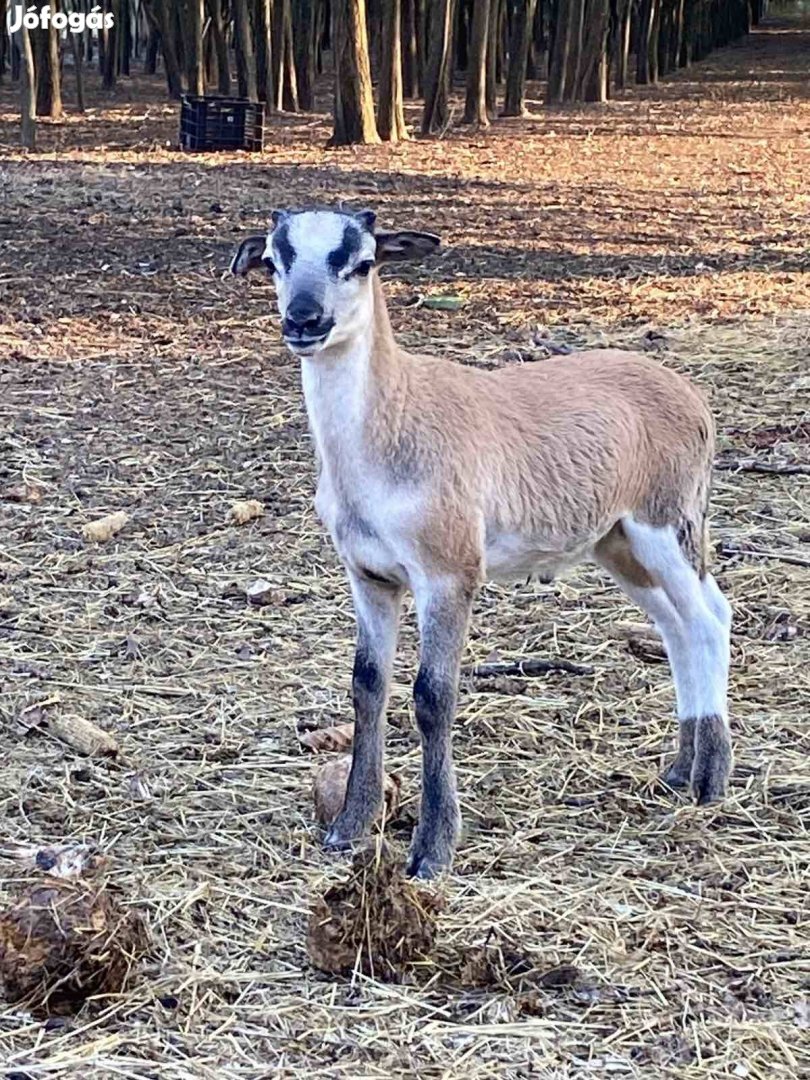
(443, 618)
(435, 837)
(679, 773)
(377, 611)
(712, 763)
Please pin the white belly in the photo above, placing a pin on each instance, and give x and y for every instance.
(517, 557)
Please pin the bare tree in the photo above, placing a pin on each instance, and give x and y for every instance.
(390, 108)
(522, 21)
(354, 101)
(475, 105)
(195, 62)
(263, 47)
(245, 59)
(410, 48)
(439, 67)
(45, 46)
(494, 47)
(220, 46)
(305, 51)
(594, 63)
(647, 42)
(28, 91)
(77, 67)
(622, 12)
(163, 16)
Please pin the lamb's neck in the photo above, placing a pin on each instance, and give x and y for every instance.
(347, 386)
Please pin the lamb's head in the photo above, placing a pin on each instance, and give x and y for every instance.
(322, 262)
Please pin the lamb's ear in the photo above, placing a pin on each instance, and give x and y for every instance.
(399, 246)
(248, 255)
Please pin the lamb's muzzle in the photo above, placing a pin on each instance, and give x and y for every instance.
(434, 477)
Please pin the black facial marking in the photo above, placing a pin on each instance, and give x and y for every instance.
(350, 245)
(281, 242)
(366, 674)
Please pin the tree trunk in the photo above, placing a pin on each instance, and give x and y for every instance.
(164, 19)
(289, 100)
(28, 91)
(2, 39)
(475, 106)
(109, 61)
(45, 47)
(151, 54)
(593, 72)
(522, 20)
(566, 51)
(647, 49)
(245, 61)
(354, 100)
(410, 48)
(390, 109)
(305, 49)
(195, 61)
(263, 46)
(622, 43)
(124, 38)
(77, 70)
(493, 49)
(439, 70)
(220, 47)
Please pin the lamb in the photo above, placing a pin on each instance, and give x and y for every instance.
(436, 477)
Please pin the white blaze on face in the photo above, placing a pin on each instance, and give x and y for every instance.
(316, 254)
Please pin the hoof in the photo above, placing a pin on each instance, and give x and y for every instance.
(335, 840)
(424, 868)
(712, 766)
(676, 777)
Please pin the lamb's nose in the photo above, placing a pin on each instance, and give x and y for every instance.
(304, 318)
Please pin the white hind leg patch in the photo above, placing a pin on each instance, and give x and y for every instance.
(693, 618)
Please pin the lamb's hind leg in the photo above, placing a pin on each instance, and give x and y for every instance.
(693, 618)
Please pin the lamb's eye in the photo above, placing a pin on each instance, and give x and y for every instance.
(269, 266)
(363, 268)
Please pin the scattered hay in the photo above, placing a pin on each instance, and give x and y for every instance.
(63, 942)
(377, 922)
(329, 790)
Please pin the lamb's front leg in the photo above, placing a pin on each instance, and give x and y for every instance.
(377, 607)
(443, 614)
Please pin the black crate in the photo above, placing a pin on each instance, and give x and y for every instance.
(221, 123)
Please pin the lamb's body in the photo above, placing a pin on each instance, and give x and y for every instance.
(520, 471)
(434, 477)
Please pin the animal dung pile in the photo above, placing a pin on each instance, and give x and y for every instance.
(63, 942)
(377, 921)
(329, 790)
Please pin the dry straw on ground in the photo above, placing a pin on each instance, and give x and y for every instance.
(131, 375)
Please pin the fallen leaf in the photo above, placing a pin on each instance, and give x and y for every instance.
(245, 510)
(83, 735)
(329, 790)
(338, 737)
(105, 528)
(443, 303)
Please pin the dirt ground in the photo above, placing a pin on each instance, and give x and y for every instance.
(630, 933)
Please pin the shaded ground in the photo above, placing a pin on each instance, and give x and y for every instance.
(132, 377)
